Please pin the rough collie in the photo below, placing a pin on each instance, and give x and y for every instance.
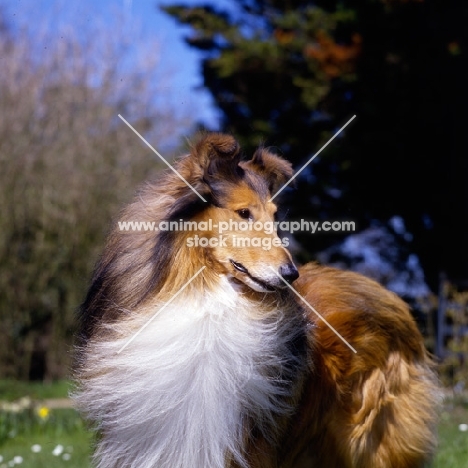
(181, 366)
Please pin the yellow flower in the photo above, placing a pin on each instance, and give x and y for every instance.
(43, 412)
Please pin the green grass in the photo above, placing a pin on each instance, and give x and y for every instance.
(76, 444)
(453, 443)
(25, 426)
(20, 430)
(12, 390)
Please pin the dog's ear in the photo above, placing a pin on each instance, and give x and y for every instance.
(275, 170)
(218, 156)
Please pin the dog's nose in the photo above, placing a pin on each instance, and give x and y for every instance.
(289, 272)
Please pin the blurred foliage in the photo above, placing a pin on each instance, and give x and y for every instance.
(13, 389)
(270, 67)
(28, 421)
(454, 307)
(289, 74)
(67, 163)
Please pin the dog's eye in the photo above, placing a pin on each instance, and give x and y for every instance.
(244, 213)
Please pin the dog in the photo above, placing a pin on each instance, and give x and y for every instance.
(215, 356)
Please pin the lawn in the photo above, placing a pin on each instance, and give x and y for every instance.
(12, 390)
(453, 442)
(65, 450)
(36, 431)
(35, 436)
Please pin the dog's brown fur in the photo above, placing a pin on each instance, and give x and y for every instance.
(377, 408)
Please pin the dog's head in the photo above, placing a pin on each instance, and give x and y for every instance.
(242, 239)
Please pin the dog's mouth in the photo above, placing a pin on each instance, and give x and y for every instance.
(262, 286)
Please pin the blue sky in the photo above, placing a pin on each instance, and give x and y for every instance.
(144, 16)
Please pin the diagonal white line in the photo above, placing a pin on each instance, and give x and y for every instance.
(161, 309)
(162, 159)
(313, 310)
(313, 157)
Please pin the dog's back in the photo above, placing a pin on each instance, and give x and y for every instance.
(376, 408)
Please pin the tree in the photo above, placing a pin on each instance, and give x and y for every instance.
(269, 67)
(289, 73)
(67, 162)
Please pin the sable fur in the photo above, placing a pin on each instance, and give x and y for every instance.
(377, 408)
(236, 372)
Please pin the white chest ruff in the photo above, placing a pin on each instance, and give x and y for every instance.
(179, 395)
